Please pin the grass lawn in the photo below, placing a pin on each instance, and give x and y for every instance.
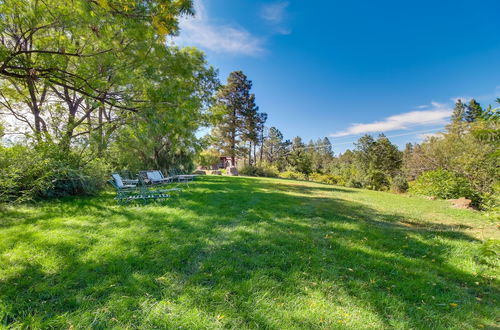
(248, 253)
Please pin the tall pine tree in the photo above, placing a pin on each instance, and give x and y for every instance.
(238, 114)
(260, 135)
(299, 158)
(473, 112)
(250, 125)
(385, 156)
(458, 112)
(272, 145)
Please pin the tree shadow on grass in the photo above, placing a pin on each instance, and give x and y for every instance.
(236, 254)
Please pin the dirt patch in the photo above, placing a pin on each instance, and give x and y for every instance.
(461, 203)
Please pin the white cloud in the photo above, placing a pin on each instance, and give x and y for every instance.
(275, 14)
(437, 115)
(201, 31)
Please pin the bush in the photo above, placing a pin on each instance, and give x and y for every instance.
(23, 174)
(292, 175)
(349, 177)
(353, 183)
(324, 178)
(443, 184)
(29, 173)
(269, 171)
(262, 171)
(490, 203)
(247, 170)
(399, 184)
(376, 180)
(208, 158)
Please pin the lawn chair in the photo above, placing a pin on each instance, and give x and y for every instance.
(127, 192)
(181, 177)
(155, 177)
(123, 183)
(124, 188)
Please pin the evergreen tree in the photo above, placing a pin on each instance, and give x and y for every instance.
(364, 151)
(458, 112)
(299, 158)
(378, 155)
(249, 127)
(473, 112)
(327, 147)
(260, 128)
(321, 155)
(313, 149)
(385, 156)
(408, 148)
(348, 157)
(326, 151)
(274, 148)
(238, 113)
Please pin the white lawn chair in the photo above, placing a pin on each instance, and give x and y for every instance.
(121, 183)
(181, 177)
(131, 190)
(156, 177)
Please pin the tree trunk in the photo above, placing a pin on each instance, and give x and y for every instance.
(35, 110)
(261, 145)
(100, 132)
(255, 153)
(250, 153)
(73, 105)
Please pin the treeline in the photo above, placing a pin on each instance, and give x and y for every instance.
(462, 161)
(87, 87)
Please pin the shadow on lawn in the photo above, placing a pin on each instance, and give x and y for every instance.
(235, 248)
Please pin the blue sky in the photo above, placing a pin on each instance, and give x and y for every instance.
(344, 68)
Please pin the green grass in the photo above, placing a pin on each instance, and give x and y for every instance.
(247, 253)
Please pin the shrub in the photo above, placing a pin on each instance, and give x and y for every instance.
(208, 158)
(341, 181)
(443, 184)
(490, 203)
(349, 177)
(247, 170)
(29, 173)
(288, 174)
(24, 174)
(324, 178)
(268, 171)
(272, 169)
(399, 184)
(376, 180)
(78, 179)
(263, 171)
(353, 183)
